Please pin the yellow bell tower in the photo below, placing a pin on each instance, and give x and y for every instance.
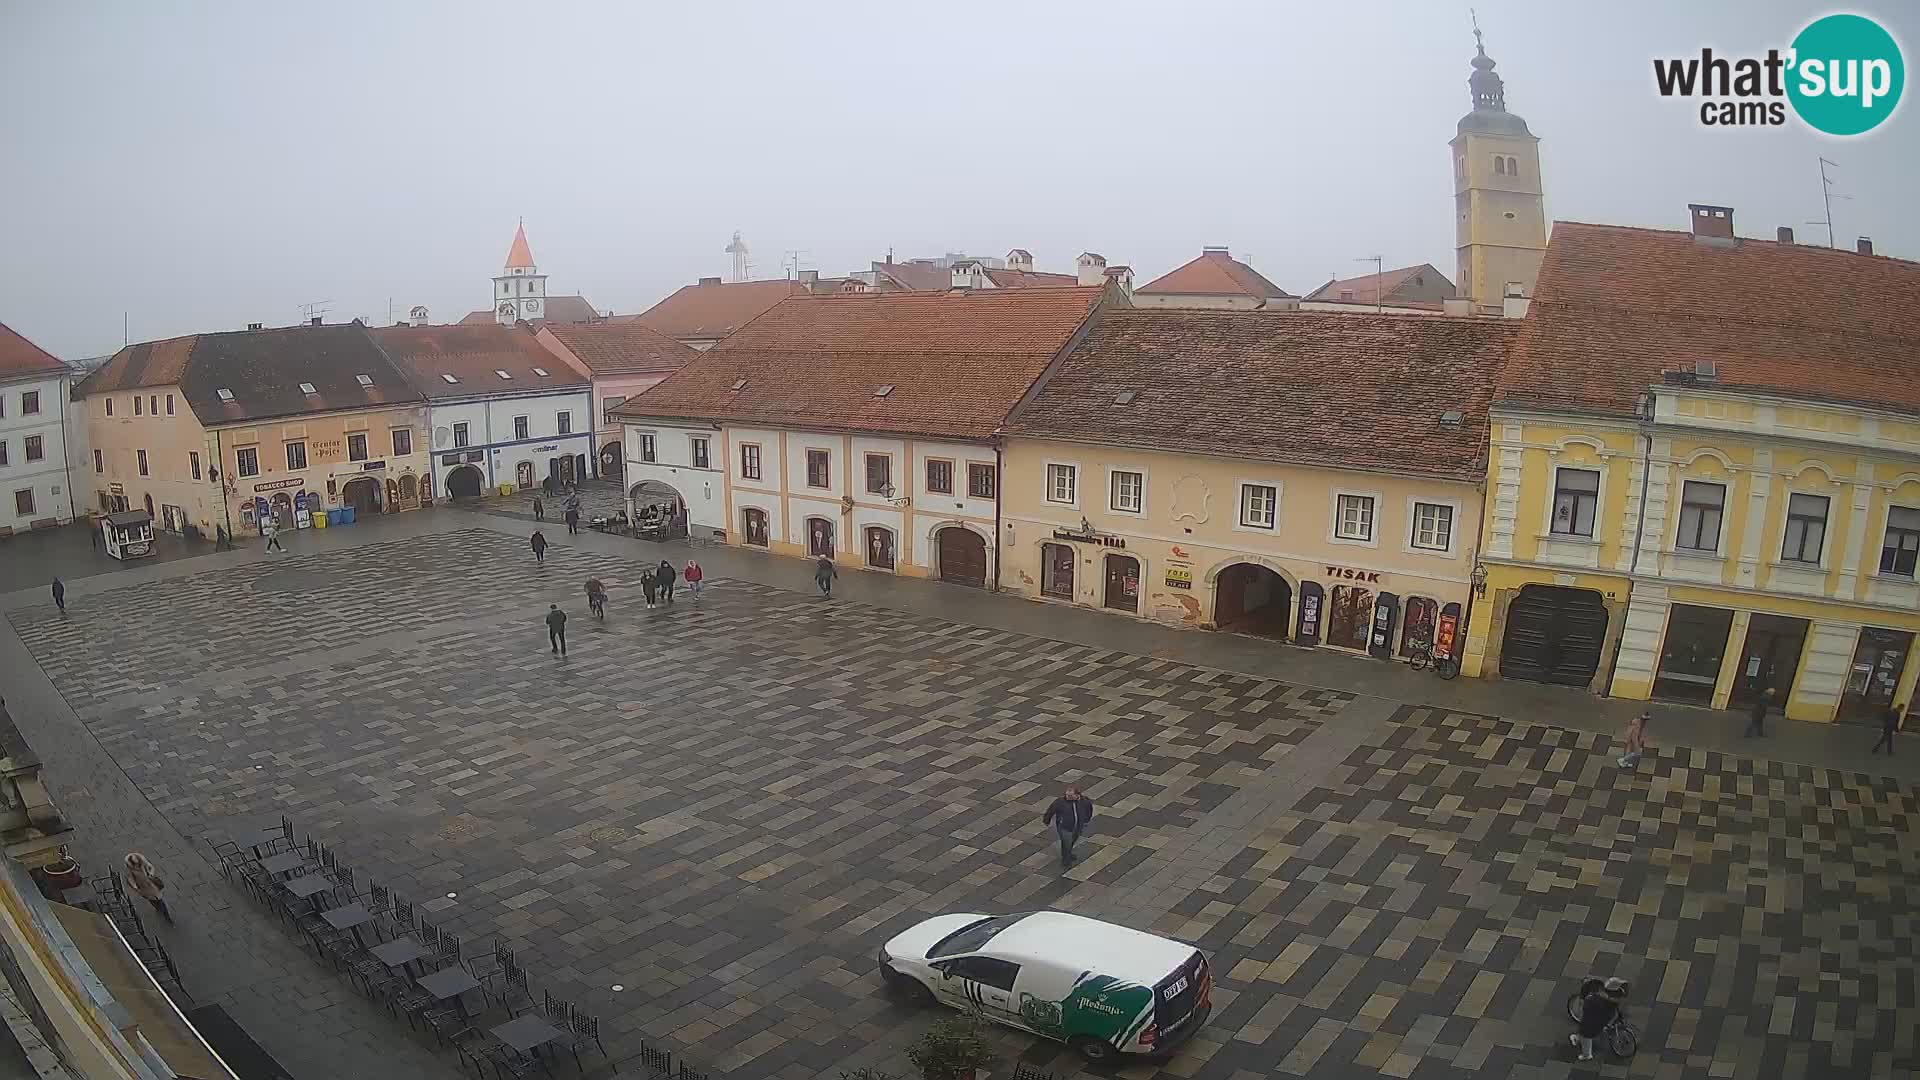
(1500, 211)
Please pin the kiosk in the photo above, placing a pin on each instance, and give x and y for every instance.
(129, 534)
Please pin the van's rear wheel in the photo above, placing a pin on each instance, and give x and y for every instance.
(1095, 1051)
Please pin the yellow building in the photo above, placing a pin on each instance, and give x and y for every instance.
(1705, 461)
(1311, 477)
(1500, 217)
(211, 431)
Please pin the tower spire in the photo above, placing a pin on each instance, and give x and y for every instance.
(1487, 90)
(520, 255)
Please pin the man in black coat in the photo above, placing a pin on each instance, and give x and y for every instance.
(1889, 723)
(557, 629)
(1597, 1012)
(1069, 816)
(664, 576)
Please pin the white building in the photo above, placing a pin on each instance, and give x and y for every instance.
(502, 408)
(36, 436)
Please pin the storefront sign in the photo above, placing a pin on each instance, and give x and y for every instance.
(550, 447)
(276, 485)
(116, 489)
(1090, 538)
(1348, 573)
(373, 466)
(1179, 577)
(326, 449)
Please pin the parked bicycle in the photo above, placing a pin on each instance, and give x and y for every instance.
(1444, 666)
(1620, 1036)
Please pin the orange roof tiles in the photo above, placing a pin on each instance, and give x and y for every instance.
(1616, 306)
(1215, 272)
(623, 348)
(474, 355)
(957, 362)
(1345, 390)
(18, 356)
(715, 309)
(520, 256)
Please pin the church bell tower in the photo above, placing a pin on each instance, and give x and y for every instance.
(520, 292)
(1500, 229)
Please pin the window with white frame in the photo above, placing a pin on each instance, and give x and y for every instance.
(1901, 547)
(564, 422)
(296, 454)
(1702, 505)
(247, 461)
(522, 426)
(1432, 526)
(1126, 491)
(1259, 505)
(700, 458)
(1576, 497)
(750, 461)
(1806, 529)
(649, 450)
(1061, 483)
(1353, 517)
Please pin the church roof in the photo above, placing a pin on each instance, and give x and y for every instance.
(18, 356)
(520, 255)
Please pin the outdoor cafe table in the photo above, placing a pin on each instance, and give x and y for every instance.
(449, 982)
(349, 917)
(401, 951)
(306, 886)
(283, 862)
(258, 838)
(527, 1032)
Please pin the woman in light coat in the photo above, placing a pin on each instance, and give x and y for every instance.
(144, 878)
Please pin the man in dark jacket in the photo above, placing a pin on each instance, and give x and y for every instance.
(1757, 723)
(60, 601)
(573, 520)
(539, 543)
(1069, 816)
(1889, 723)
(664, 574)
(1597, 1011)
(557, 629)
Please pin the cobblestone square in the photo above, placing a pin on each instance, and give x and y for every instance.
(724, 806)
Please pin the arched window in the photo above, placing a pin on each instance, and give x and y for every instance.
(1499, 165)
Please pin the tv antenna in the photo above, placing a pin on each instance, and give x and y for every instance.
(1827, 195)
(790, 261)
(308, 311)
(1378, 262)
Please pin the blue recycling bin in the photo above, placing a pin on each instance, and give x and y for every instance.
(346, 515)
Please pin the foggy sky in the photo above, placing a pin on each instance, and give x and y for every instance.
(201, 166)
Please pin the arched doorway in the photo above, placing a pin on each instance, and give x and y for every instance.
(820, 537)
(523, 475)
(1252, 599)
(464, 483)
(753, 526)
(963, 556)
(363, 494)
(879, 547)
(1123, 583)
(409, 490)
(283, 510)
(610, 463)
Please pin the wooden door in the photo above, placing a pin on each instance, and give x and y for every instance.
(963, 557)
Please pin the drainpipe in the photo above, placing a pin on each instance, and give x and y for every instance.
(66, 448)
(1645, 411)
(226, 504)
(999, 448)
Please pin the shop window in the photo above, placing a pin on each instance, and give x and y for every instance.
(564, 422)
(1259, 505)
(1702, 505)
(750, 462)
(1806, 529)
(1353, 517)
(246, 461)
(23, 502)
(701, 460)
(1899, 550)
(1127, 492)
(939, 476)
(296, 456)
(1576, 495)
(1432, 529)
(1056, 571)
(357, 446)
(1877, 662)
(1062, 484)
(819, 469)
(754, 525)
(1692, 653)
(1416, 633)
(980, 481)
(193, 462)
(879, 547)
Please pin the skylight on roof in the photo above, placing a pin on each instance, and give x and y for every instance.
(740, 384)
(364, 380)
(502, 372)
(884, 391)
(307, 388)
(450, 380)
(224, 394)
(540, 371)
(1124, 397)
(1452, 417)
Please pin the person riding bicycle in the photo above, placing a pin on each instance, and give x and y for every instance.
(596, 597)
(1599, 1008)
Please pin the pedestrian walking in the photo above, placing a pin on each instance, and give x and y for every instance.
(272, 532)
(539, 542)
(1757, 719)
(60, 595)
(221, 541)
(665, 573)
(1889, 723)
(144, 878)
(557, 629)
(573, 520)
(1636, 740)
(693, 576)
(1069, 815)
(94, 531)
(539, 509)
(650, 587)
(823, 574)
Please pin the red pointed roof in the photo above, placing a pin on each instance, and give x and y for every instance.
(1214, 273)
(520, 255)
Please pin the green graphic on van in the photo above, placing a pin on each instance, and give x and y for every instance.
(1098, 1005)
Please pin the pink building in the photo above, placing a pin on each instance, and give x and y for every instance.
(622, 359)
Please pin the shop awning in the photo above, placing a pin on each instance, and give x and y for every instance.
(148, 1007)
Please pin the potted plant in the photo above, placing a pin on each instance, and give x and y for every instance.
(953, 1049)
(63, 872)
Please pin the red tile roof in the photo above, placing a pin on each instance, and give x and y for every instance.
(1031, 279)
(957, 362)
(520, 255)
(474, 355)
(18, 356)
(916, 276)
(1214, 273)
(1615, 307)
(1339, 389)
(1383, 288)
(623, 348)
(714, 310)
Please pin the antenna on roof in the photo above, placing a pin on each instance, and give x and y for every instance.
(1827, 196)
(308, 311)
(790, 262)
(1378, 262)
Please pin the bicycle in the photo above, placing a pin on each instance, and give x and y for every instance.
(1620, 1037)
(1444, 666)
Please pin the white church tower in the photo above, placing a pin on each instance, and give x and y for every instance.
(520, 292)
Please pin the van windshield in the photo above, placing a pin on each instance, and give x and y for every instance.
(973, 936)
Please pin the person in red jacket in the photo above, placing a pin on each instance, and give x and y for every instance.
(693, 576)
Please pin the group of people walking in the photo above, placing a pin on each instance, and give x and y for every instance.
(657, 583)
(571, 514)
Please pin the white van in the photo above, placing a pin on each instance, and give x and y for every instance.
(1102, 989)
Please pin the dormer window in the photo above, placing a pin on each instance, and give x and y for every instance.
(363, 380)
(884, 391)
(502, 372)
(307, 388)
(739, 384)
(224, 394)
(540, 371)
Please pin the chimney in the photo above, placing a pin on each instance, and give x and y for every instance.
(1216, 251)
(1458, 307)
(315, 321)
(809, 279)
(1515, 303)
(709, 281)
(1865, 245)
(253, 326)
(1785, 234)
(1093, 268)
(1712, 223)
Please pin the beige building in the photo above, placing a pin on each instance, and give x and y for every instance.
(1303, 476)
(211, 431)
(1499, 201)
